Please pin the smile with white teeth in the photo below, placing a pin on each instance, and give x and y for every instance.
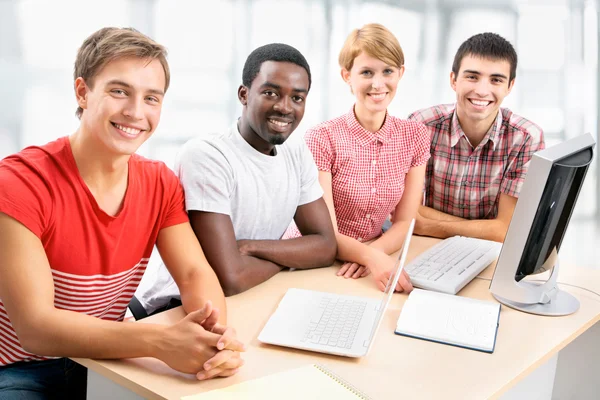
(377, 96)
(279, 123)
(480, 103)
(131, 131)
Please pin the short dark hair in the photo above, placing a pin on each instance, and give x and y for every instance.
(487, 45)
(272, 52)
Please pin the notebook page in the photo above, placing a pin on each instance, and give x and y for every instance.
(450, 319)
(308, 382)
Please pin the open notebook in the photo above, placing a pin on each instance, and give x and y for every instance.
(450, 319)
(308, 382)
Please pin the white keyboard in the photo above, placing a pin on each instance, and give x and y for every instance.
(452, 263)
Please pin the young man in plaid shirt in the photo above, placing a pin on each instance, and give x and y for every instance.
(480, 152)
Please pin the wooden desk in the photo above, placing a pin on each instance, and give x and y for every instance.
(396, 365)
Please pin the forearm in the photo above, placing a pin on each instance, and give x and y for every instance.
(200, 287)
(433, 214)
(391, 241)
(351, 250)
(492, 229)
(62, 333)
(309, 251)
(247, 272)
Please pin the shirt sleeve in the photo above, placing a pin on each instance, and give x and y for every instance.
(25, 195)
(206, 176)
(174, 199)
(311, 188)
(319, 144)
(422, 146)
(517, 170)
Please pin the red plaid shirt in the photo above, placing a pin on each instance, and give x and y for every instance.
(367, 169)
(467, 182)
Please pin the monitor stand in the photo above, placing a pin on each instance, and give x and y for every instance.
(553, 301)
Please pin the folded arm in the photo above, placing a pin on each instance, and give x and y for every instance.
(243, 264)
(315, 248)
(435, 223)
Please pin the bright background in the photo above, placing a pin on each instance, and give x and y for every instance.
(556, 40)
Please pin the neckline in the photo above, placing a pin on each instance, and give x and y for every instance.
(97, 209)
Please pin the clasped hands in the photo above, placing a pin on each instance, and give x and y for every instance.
(199, 345)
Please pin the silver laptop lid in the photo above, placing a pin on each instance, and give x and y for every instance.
(391, 285)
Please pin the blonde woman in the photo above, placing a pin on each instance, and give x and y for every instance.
(371, 164)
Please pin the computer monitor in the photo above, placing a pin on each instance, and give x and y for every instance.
(544, 208)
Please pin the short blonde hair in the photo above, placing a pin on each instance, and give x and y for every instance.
(109, 44)
(375, 40)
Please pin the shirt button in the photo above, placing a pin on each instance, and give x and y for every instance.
(359, 239)
(373, 162)
(373, 190)
(368, 216)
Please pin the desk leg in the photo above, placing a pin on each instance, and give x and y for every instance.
(537, 385)
(100, 388)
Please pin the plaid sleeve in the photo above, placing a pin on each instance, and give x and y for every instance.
(517, 170)
(422, 145)
(319, 144)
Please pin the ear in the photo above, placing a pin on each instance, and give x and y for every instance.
(345, 75)
(243, 95)
(81, 92)
(510, 85)
(453, 80)
(401, 72)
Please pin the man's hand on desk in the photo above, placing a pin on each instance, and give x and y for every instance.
(199, 345)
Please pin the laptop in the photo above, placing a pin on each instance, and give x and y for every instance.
(331, 323)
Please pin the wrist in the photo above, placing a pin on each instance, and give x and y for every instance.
(246, 247)
(158, 341)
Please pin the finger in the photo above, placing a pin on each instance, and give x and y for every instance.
(218, 359)
(234, 362)
(404, 285)
(212, 319)
(204, 375)
(343, 268)
(366, 272)
(351, 270)
(228, 339)
(381, 285)
(229, 372)
(359, 272)
(199, 316)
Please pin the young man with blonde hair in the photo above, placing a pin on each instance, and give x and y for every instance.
(79, 218)
(479, 151)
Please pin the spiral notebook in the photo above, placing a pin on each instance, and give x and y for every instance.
(312, 381)
(450, 319)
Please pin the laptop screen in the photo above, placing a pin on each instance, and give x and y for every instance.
(392, 282)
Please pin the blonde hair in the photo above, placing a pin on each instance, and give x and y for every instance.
(375, 40)
(109, 44)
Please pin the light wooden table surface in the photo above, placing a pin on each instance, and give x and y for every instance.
(396, 365)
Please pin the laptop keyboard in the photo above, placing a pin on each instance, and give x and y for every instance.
(335, 323)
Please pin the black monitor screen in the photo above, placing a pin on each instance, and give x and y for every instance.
(553, 213)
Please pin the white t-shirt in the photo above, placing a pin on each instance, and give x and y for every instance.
(222, 173)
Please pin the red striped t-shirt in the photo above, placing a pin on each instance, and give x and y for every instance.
(96, 260)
